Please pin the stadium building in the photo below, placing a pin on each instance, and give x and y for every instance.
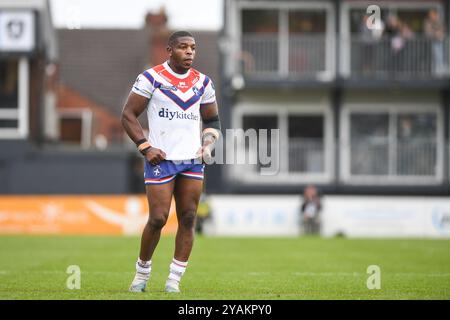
(28, 51)
(360, 111)
(59, 118)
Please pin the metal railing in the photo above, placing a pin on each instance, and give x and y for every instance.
(375, 160)
(384, 157)
(368, 162)
(302, 57)
(259, 54)
(417, 58)
(377, 157)
(306, 155)
(307, 55)
(311, 57)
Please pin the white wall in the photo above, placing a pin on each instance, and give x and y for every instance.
(349, 215)
(253, 216)
(387, 217)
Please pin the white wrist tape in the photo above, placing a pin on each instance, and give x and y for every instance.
(214, 132)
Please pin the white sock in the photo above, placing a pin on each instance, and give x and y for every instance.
(177, 269)
(143, 269)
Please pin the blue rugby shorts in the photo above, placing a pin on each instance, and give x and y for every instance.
(168, 170)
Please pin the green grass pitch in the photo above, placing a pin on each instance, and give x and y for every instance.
(227, 268)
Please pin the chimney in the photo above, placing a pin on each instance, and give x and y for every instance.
(156, 23)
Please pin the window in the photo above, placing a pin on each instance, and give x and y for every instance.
(287, 40)
(416, 144)
(369, 144)
(305, 145)
(307, 22)
(8, 84)
(9, 124)
(307, 45)
(267, 122)
(414, 19)
(399, 49)
(70, 130)
(394, 144)
(75, 126)
(260, 40)
(260, 21)
(13, 104)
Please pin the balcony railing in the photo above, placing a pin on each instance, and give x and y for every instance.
(313, 57)
(300, 57)
(306, 155)
(384, 157)
(418, 58)
(259, 55)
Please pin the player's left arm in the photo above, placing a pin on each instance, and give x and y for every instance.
(211, 129)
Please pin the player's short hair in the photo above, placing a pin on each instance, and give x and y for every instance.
(178, 34)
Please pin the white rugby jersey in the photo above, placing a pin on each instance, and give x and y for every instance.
(174, 109)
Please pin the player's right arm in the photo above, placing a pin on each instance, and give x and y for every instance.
(134, 106)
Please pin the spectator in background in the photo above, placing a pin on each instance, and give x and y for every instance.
(435, 32)
(399, 35)
(367, 46)
(369, 37)
(395, 43)
(310, 210)
(406, 65)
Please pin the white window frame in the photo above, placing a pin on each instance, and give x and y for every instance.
(345, 56)
(21, 113)
(283, 8)
(86, 117)
(390, 108)
(238, 172)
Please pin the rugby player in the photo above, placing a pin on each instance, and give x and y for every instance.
(184, 125)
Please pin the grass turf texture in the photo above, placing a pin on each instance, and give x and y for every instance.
(227, 268)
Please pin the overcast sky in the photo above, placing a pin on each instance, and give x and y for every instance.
(192, 14)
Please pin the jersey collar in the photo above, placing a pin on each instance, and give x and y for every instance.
(178, 75)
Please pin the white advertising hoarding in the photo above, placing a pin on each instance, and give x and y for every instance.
(253, 216)
(351, 216)
(17, 31)
(386, 217)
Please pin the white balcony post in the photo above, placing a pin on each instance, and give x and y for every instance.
(24, 95)
(283, 43)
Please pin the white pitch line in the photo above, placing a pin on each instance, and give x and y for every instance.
(357, 274)
(327, 274)
(64, 272)
(299, 274)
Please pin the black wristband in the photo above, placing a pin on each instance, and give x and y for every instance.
(144, 152)
(138, 143)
